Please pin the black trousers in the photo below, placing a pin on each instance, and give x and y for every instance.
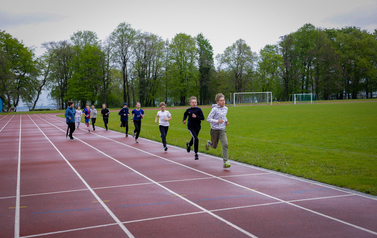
(93, 122)
(125, 124)
(137, 130)
(194, 140)
(72, 128)
(164, 133)
(105, 121)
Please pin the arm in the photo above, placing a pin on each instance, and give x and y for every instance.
(66, 114)
(211, 116)
(200, 116)
(184, 117)
(155, 120)
(169, 118)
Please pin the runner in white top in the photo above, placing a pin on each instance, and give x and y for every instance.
(78, 116)
(164, 118)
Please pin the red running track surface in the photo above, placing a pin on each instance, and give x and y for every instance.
(105, 185)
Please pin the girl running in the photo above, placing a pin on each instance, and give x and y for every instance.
(78, 116)
(86, 112)
(164, 118)
(138, 115)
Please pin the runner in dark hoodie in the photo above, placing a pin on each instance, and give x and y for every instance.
(124, 113)
(70, 119)
(195, 117)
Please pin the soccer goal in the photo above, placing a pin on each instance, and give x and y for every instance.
(303, 98)
(245, 98)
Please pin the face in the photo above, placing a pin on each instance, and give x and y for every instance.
(221, 102)
(78, 108)
(125, 106)
(193, 103)
(87, 107)
(138, 105)
(92, 106)
(162, 108)
(72, 105)
(103, 106)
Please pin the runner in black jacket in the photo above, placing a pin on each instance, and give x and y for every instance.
(105, 114)
(195, 117)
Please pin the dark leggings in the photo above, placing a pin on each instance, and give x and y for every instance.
(194, 140)
(93, 122)
(105, 121)
(137, 124)
(164, 133)
(71, 129)
(125, 124)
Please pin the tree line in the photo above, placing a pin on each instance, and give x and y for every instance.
(134, 66)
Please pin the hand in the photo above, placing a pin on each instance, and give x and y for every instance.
(166, 119)
(124, 114)
(142, 115)
(106, 114)
(193, 115)
(155, 122)
(220, 121)
(184, 122)
(227, 123)
(69, 118)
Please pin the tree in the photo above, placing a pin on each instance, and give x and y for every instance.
(183, 56)
(206, 69)
(123, 38)
(239, 59)
(106, 59)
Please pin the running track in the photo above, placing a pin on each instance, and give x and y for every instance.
(104, 185)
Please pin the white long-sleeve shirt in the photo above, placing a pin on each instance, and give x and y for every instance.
(215, 115)
(78, 113)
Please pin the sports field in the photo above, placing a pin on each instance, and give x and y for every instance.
(333, 143)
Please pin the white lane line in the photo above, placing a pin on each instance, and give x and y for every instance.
(17, 212)
(4, 117)
(120, 224)
(129, 185)
(167, 189)
(6, 123)
(180, 215)
(281, 200)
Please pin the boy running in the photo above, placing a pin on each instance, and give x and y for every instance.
(105, 115)
(163, 122)
(124, 113)
(195, 116)
(78, 116)
(218, 120)
(93, 116)
(138, 115)
(86, 112)
(70, 119)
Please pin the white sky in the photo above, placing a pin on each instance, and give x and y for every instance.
(222, 22)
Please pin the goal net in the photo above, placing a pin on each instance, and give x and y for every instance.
(303, 98)
(246, 98)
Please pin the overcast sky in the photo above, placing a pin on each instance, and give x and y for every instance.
(222, 22)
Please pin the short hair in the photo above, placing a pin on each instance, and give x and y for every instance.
(138, 103)
(162, 104)
(193, 98)
(218, 96)
(69, 103)
(87, 104)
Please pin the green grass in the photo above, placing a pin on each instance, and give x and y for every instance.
(330, 143)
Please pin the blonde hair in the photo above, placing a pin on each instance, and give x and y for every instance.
(219, 96)
(193, 98)
(162, 104)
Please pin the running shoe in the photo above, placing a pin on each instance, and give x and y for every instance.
(133, 134)
(72, 139)
(136, 141)
(89, 130)
(166, 148)
(188, 147)
(208, 144)
(121, 125)
(126, 135)
(226, 165)
(196, 157)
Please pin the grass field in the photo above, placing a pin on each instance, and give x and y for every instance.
(331, 143)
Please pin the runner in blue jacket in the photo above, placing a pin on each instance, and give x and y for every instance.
(70, 119)
(124, 113)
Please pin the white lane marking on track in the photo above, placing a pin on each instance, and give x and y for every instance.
(130, 185)
(292, 204)
(17, 212)
(167, 189)
(182, 214)
(6, 123)
(116, 219)
(4, 117)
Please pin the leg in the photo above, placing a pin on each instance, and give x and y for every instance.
(94, 122)
(214, 138)
(71, 129)
(126, 124)
(194, 140)
(163, 135)
(137, 128)
(105, 121)
(224, 143)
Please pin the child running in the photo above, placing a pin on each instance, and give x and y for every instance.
(105, 115)
(195, 117)
(218, 120)
(70, 119)
(163, 122)
(138, 115)
(86, 112)
(124, 113)
(78, 116)
(93, 116)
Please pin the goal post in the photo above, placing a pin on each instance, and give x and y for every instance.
(252, 98)
(303, 98)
